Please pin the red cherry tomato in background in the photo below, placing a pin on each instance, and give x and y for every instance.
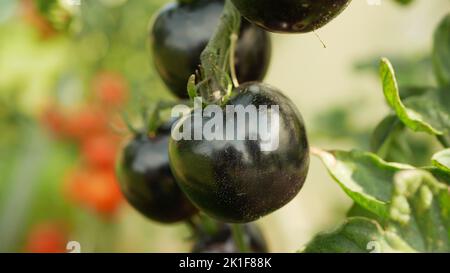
(110, 89)
(96, 190)
(46, 238)
(100, 151)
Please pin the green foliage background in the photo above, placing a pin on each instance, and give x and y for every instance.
(112, 35)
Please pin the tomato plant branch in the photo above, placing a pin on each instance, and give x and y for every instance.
(234, 38)
(238, 235)
(216, 82)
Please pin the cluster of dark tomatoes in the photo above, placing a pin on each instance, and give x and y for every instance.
(231, 181)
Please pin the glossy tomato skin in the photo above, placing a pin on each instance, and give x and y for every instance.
(147, 181)
(222, 240)
(180, 32)
(290, 16)
(235, 180)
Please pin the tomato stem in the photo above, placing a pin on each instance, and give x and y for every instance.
(234, 37)
(215, 58)
(239, 238)
(152, 116)
(152, 119)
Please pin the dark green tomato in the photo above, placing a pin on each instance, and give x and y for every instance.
(180, 32)
(147, 181)
(290, 16)
(237, 180)
(222, 241)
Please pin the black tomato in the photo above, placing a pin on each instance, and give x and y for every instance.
(290, 16)
(147, 182)
(222, 241)
(181, 31)
(242, 180)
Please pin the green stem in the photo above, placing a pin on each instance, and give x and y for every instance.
(239, 238)
(153, 119)
(234, 38)
(216, 82)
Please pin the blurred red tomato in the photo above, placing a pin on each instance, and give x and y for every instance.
(93, 185)
(96, 190)
(78, 125)
(86, 122)
(110, 89)
(32, 15)
(46, 238)
(54, 120)
(100, 151)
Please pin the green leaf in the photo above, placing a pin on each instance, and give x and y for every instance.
(441, 52)
(393, 143)
(418, 221)
(439, 174)
(428, 113)
(442, 160)
(409, 117)
(420, 211)
(385, 133)
(404, 146)
(364, 177)
(358, 211)
(356, 235)
(388, 139)
(434, 108)
(413, 91)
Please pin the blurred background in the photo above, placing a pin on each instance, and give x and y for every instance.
(68, 68)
